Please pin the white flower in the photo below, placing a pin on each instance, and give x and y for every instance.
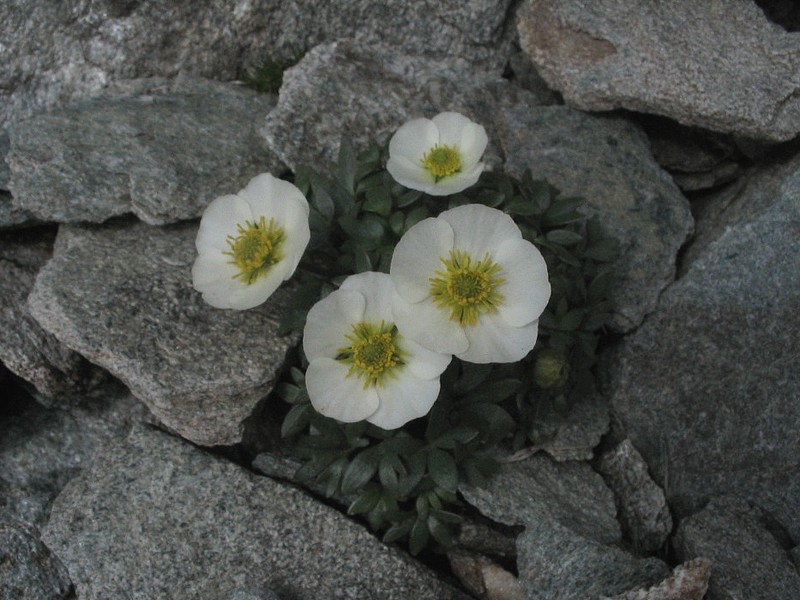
(360, 367)
(439, 156)
(248, 244)
(470, 285)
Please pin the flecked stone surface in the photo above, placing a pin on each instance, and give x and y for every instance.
(163, 157)
(158, 514)
(13, 218)
(608, 162)
(538, 488)
(748, 562)
(26, 349)
(702, 65)
(707, 388)
(200, 370)
(5, 172)
(28, 570)
(689, 581)
(643, 510)
(52, 54)
(555, 563)
(575, 436)
(42, 449)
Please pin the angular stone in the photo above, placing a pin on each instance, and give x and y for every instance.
(27, 567)
(748, 562)
(576, 435)
(484, 578)
(703, 65)
(54, 371)
(42, 449)
(538, 488)
(157, 515)
(201, 370)
(13, 218)
(643, 510)
(608, 162)
(707, 387)
(555, 563)
(348, 89)
(163, 157)
(5, 172)
(689, 581)
(53, 54)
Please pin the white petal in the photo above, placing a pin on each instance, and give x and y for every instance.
(211, 267)
(329, 321)
(336, 395)
(377, 289)
(250, 295)
(526, 290)
(410, 174)
(494, 340)
(417, 257)
(479, 229)
(403, 399)
(429, 326)
(413, 140)
(422, 362)
(451, 127)
(456, 183)
(298, 234)
(219, 220)
(472, 145)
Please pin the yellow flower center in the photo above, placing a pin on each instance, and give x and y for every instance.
(374, 353)
(442, 161)
(256, 248)
(467, 288)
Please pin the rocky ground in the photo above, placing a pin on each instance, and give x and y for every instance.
(134, 457)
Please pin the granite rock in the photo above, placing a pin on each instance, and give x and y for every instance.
(53, 370)
(575, 436)
(607, 161)
(702, 65)
(14, 218)
(643, 510)
(689, 581)
(748, 562)
(28, 570)
(54, 54)
(162, 156)
(707, 387)
(5, 172)
(157, 514)
(483, 578)
(42, 449)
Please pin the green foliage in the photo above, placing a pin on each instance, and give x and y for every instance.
(268, 76)
(404, 482)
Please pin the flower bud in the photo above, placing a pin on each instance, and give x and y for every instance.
(551, 369)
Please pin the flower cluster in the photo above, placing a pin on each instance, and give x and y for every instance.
(464, 283)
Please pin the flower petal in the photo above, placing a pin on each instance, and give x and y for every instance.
(410, 174)
(479, 229)
(329, 321)
(403, 399)
(526, 290)
(494, 340)
(451, 127)
(219, 220)
(424, 363)
(336, 395)
(472, 145)
(244, 295)
(413, 140)
(456, 183)
(429, 326)
(417, 257)
(377, 289)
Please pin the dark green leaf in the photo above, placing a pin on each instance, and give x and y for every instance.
(360, 470)
(398, 530)
(572, 320)
(564, 237)
(602, 250)
(442, 468)
(418, 538)
(365, 501)
(447, 517)
(520, 206)
(346, 166)
(461, 434)
(396, 222)
(388, 471)
(408, 198)
(415, 216)
(362, 261)
(494, 391)
(600, 286)
(333, 475)
(378, 201)
(439, 532)
(416, 464)
(296, 420)
(472, 376)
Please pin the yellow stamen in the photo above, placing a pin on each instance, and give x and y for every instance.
(256, 248)
(466, 287)
(442, 161)
(374, 353)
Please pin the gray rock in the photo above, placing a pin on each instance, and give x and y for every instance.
(643, 510)
(555, 563)
(794, 553)
(707, 387)
(689, 581)
(163, 156)
(27, 567)
(608, 162)
(54, 54)
(538, 488)
(42, 449)
(748, 562)
(700, 64)
(55, 372)
(159, 515)
(200, 370)
(14, 218)
(483, 578)
(575, 436)
(5, 172)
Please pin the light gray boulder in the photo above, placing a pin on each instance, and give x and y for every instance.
(159, 515)
(701, 64)
(121, 295)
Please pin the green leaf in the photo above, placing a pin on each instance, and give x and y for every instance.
(494, 391)
(472, 376)
(368, 227)
(447, 517)
(520, 206)
(321, 199)
(398, 530)
(564, 237)
(378, 201)
(442, 468)
(388, 469)
(333, 475)
(365, 501)
(538, 192)
(296, 420)
(396, 222)
(439, 531)
(418, 537)
(346, 166)
(362, 261)
(572, 320)
(415, 216)
(602, 251)
(600, 286)
(298, 376)
(416, 464)
(461, 434)
(360, 470)
(408, 198)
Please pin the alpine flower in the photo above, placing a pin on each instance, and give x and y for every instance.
(438, 156)
(468, 284)
(250, 243)
(360, 366)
